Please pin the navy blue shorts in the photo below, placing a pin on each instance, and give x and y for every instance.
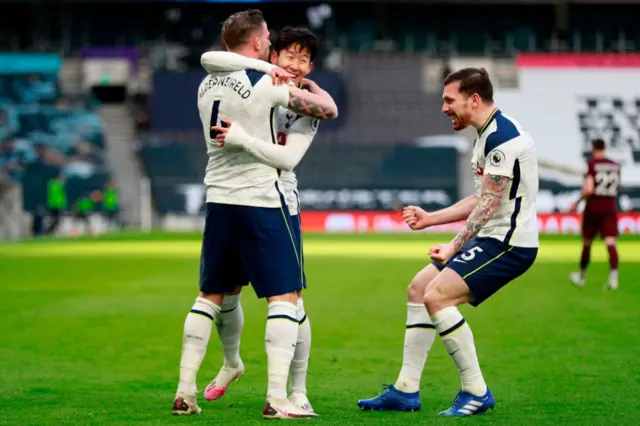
(244, 244)
(487, 265)
(297, 233)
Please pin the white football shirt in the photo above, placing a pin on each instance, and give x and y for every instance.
(290, 122)
(504, 148)
(248, 97)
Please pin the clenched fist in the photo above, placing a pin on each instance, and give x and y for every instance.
(416, 217)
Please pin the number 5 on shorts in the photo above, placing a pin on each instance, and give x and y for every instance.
(470, 254)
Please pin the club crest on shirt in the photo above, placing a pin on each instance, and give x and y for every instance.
(496, 158)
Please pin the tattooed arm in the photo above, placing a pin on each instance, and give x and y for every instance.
(493, 187)
(320, 106)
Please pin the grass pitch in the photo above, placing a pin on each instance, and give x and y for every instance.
(90, 334)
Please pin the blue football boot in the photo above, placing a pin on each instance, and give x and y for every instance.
(467, 404)
(392, 399)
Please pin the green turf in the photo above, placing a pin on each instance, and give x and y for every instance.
(91, 339)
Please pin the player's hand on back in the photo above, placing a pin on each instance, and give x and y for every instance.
(231, 134)
(280, 76)
(222, 132)
(415, 217)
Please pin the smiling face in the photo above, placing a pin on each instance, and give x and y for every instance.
(458, 105)
(294, 51)
(295, 59)
(467, 98)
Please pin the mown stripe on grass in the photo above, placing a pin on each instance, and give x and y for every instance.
(555, 251)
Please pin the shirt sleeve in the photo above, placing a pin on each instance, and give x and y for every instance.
(274, 95)
(307, 126)
(220, 61)
(501, 160)
(281, 157)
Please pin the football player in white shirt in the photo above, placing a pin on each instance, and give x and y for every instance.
(294, 51)
(248, 233)
(498, 244)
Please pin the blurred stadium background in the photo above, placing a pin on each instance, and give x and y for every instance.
(95, 93)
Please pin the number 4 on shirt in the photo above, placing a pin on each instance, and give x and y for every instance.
(214, 120)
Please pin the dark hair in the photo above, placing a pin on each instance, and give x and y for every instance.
(300, 36)
(473, 80)
(598, 144)
(237, 28)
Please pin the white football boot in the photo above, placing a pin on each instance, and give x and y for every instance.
(301, 401)
(576, 279)
(283, 409)
(185, 405)
(218, 386)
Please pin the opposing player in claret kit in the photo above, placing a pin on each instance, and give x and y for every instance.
(498, 243)
(293, 51)
(600, 215)
(246, 217)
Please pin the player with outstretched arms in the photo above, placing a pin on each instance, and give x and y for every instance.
(294, 51)
(248, 230)
(600, 215)
(498, 243)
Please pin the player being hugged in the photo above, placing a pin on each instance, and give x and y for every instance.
(293, 52)
(600, 215)
(248, 234)
(498, 243)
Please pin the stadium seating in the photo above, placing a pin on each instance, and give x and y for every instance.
(43, 134)
(385, 101)
(483, 29)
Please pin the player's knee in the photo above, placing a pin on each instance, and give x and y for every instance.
(445, 290)
(432, 302)
(235, 292)
(288, 297)
(586, 242)
(610, 241)
(211, 297)
(415, 291)
(230, 302)
(433, 297)
(419, 283)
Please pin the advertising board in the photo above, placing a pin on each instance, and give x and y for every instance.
(391, 222)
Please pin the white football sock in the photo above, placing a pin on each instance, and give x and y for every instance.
(229, 324)
(300, 363)
(418, 339)
(281, 337)
(197, 329)
(458, 339)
